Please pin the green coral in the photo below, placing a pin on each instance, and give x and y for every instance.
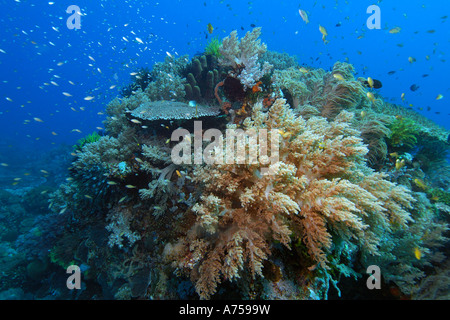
(93, 137)
(212, 47)
(404, 132)
(440, 195)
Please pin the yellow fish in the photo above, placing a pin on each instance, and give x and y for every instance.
(129, 186)
(338, 76)
(178, 173)
(324, 33)
(420, 184)
(417, 253)
(403, 96)
(394, 154)
(303, 70)
(395, 30)
(411, 59)
(370, 96)
(370, 82)
(284, 134)
(210, 28)
(439, 97)
(88, 98)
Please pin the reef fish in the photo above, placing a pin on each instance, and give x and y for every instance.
(422, 185)
(374, 83)
(414, 87)
(304, 15)
(210, 28)
(338, 76)
(395, 30)
(324, 33)
(417, 253)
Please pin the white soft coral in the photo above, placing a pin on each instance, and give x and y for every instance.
(242, 56)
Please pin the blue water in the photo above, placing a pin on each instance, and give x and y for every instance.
(34, 48)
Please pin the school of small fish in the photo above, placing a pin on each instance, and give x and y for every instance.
(83, 83)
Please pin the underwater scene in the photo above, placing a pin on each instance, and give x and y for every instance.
(224, 150)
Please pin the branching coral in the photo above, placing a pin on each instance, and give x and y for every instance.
(242, 56)
(117, 110)
(166, 80)
(318, 192)
(280, 61)
(119, 226)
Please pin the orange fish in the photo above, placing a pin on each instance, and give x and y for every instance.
(256, 87)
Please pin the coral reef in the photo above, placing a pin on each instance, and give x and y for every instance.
(139, 81)
(168, 82)
(320, 182)
(329, 179)
(279, 61)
